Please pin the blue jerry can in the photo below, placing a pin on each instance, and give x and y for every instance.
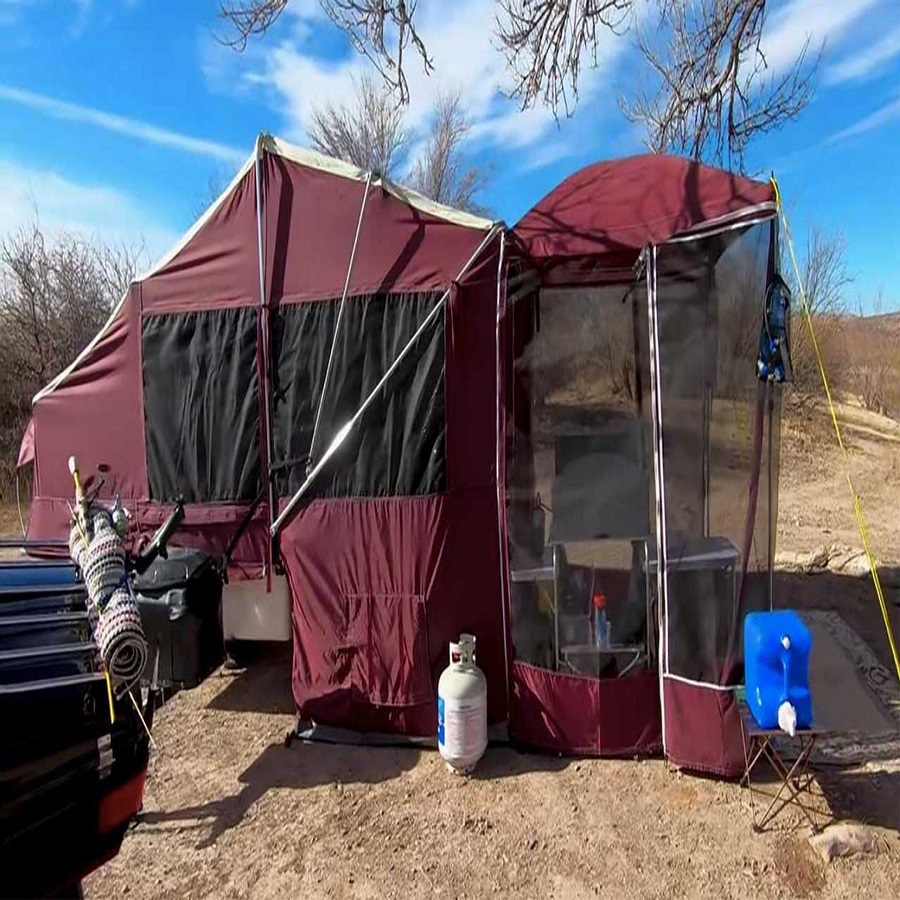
(776, 665)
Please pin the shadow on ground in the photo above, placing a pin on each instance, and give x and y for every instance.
(872, 798)
(299, 767)
(263, 686)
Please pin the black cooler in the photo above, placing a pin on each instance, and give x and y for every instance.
(180, 599)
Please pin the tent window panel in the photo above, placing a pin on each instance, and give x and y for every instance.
(579, 480)
(201, 405)
(717, 436)
(399, 447)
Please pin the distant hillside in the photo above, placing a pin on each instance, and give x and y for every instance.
(864, 360)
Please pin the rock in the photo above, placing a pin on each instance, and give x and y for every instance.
(532, 844)
(791, 560)
(848, 562)
(844, 839)
(818, 559)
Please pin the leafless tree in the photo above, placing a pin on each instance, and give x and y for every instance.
(380, 30)
(875, 359)
(441, 171)
(825, 274)
(711, 89)
(825, 283)
(368, 131)
(547, 41)
(54, 296)
(714, 91)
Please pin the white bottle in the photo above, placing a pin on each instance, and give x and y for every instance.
(462, 708)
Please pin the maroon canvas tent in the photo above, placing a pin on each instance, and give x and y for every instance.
(386, 385)
(209, 375)
(635, 425)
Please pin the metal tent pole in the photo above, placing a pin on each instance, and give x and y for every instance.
(501, 448)
(264, 329)
(770, 533)
(337, 324)
(287, 513)
(659, 472)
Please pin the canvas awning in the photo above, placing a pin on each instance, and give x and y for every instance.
(593, 226)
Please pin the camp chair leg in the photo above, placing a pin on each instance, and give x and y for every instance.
(794, 783)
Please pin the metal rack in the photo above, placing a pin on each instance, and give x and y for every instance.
(563, 652)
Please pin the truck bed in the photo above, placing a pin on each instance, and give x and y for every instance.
(72, 767)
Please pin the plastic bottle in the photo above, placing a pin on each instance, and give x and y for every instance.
(601, 625)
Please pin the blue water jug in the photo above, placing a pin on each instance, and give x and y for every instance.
(776, 665)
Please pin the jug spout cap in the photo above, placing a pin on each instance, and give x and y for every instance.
(787, 718)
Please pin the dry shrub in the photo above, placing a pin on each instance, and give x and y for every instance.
(54, 296)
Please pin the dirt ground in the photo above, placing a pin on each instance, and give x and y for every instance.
(231, 812)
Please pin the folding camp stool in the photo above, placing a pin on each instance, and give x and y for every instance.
(796, 787)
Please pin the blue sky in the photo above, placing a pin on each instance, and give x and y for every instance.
(117, 115)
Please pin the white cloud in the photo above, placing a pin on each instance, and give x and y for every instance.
(866, 61)
(134, 128)
(821, 22)
(460, 42)
(545, 155)
(94, 211)
(885, 114)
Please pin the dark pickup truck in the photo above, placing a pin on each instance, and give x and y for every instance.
(73, 756)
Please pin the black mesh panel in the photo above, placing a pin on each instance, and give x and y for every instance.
(717, 435)
(201, 405)
(398, 448)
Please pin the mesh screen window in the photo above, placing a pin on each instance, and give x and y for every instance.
(201, 405)
(398, 449)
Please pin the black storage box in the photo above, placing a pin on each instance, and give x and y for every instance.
(180, 599)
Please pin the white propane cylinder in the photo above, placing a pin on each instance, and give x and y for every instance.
(462, 708)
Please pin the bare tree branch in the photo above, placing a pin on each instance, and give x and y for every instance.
(380, 30)
(54, 296)
(825, 283)
(249, 18)
(714, 92)
(712, 89)
(441, 172)
(368, 131)
(546, 42)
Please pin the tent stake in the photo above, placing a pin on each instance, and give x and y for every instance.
(287, 514)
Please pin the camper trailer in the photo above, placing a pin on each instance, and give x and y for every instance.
(401, 422)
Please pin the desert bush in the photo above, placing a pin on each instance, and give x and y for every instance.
(55, 293)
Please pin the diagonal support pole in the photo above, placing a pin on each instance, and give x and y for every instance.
(337, 324)
(288, 513)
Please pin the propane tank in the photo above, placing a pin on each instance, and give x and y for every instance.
(462, 708)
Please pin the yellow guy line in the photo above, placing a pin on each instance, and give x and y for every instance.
(857, 506)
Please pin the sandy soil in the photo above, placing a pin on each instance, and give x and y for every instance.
(231, 812)
(815, 506)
